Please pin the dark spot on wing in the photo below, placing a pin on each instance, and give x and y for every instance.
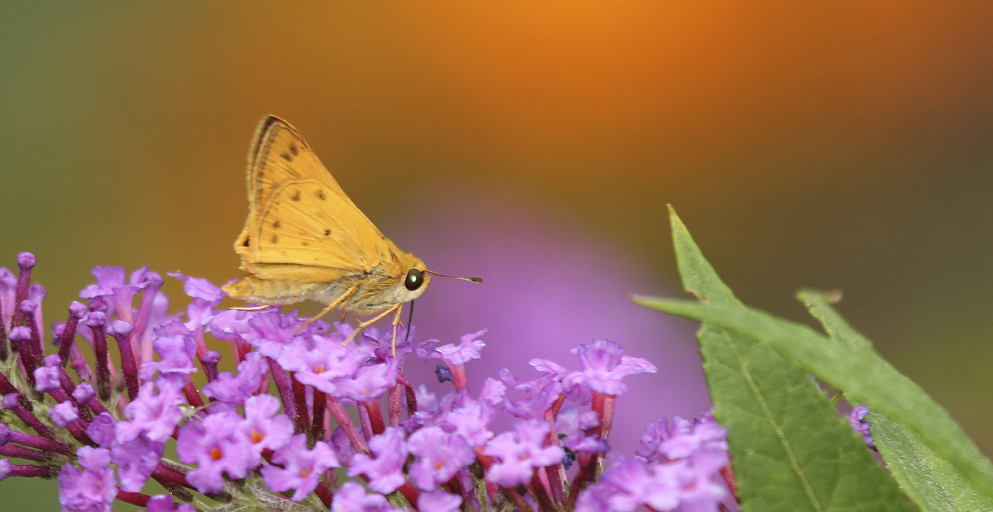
(275, 239)
(296, 196)
(276, 225)
(319, 194)
(286, 156)
(327, 232)
(304, 243)
(246, 241)
(293, 149)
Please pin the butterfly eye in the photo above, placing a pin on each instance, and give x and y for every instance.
(415, 278)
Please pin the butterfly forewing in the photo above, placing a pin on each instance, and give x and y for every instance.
(298, 214)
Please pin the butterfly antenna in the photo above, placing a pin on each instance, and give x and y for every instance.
(410, 319)
(470, 279)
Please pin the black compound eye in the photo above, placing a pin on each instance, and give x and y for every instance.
(415, 278)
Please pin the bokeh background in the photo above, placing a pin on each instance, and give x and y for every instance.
(845, 145)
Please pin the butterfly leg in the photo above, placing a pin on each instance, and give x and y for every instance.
(367, 323)
(351, 291)
(396, 322)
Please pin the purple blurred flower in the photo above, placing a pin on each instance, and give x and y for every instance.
(320, 361)
(264, 427)
(573, 425)
(353, 498)
(46, 378)
(136, 459)
(177, 353)
(101, 429)
(63, 414)
(662, 443)
(471, 422)
(385, 472)
(369, 382)
(164, 503)
(302, 468)
(91, 489)
(605, 366)
(154, 414)
(519, 452)
(228, 388)
(469, 347)
(440, 455)
(439, 501)
(216, 446)
(855, 419)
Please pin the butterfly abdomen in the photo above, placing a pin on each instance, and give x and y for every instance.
(273, 291)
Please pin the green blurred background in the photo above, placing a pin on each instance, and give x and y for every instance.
(845, 145)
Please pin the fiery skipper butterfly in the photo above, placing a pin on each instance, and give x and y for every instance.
(305, 239)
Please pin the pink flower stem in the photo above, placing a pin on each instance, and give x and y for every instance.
(300, 398)
(317, 426)
(100, 347)
(31, 470)
(283, 386)
(395, 400)
(341, 417)
(458, 376)
(375, 416)
(366, 422)
(133, 498)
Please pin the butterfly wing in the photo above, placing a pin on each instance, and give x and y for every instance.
(298, 214)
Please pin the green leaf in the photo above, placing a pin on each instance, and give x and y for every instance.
(927, 478)
(964, 482)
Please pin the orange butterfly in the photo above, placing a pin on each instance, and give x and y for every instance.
(305, 239)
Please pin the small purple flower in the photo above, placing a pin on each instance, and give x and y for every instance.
(385, 472)
(302, 468)
(216, 446)
(439, 501)
(535, 406)
(574, 425)
(154, 414)
(605, 366)
(8, 294)
(855, 419)
(46, 378)
(92, 489)
(469, 347)
(5, 468)
(369, 382)
(136, 460)
(353, 498)
(440, 456)
(519, 452)
(177, 353)
(471, 422)
(101, 429)
(164, 503)
(84, 391)
(320, 361)
(685, 438)
(228, 388)
(63, 414)
(206, 296)
(264, 427)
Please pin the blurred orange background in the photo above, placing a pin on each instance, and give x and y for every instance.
(843, 145)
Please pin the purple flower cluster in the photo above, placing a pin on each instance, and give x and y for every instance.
(103, 432)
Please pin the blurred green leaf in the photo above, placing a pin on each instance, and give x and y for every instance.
(927, 478)
(790, 449)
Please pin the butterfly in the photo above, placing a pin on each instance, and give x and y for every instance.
(305, 239)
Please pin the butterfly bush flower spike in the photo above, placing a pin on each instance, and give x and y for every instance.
(269, 433)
